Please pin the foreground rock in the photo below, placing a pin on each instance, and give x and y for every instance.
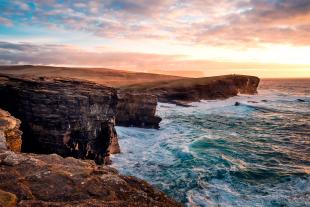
(50, 180)
(64, 116)
(10, 135)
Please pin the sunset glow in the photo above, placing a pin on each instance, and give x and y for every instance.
(182, 37)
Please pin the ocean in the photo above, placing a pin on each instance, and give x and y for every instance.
(218, 154)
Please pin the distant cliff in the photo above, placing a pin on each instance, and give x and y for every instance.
(196, 89)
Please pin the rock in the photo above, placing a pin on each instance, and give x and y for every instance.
(300, 100)
(252, 102)
(137, 110)
(50, 180)
(10, 135)
(264, 100)
(64, 116)
(10, 158)
(196, 89)
(3, 144)
(7, 199)
(180, 103)
(237, 104)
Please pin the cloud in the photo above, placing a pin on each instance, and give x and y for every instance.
(66, 55)
(239, 23)
(49, 54)
(5, 21)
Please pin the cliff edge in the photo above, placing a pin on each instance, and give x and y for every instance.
(196, 89)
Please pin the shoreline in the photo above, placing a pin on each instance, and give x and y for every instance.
(76, 118)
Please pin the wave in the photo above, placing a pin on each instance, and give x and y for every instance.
(218, 154)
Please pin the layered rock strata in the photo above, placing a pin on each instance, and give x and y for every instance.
(137, 110)
(76, 118)
(50, 180)
(196, 89)
(68, 117)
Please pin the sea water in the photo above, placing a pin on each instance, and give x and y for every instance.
(218, 154)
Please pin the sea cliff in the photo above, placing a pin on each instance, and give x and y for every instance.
(68, 117)
(76, 118)
(28, 179)
(196, 89)
(61, 119)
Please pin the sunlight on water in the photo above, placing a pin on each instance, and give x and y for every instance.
(215, 153)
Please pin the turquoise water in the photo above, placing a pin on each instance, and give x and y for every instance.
(218, 154)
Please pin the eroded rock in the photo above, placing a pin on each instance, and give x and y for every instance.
(64, 116)
(10, 135)
(50, 180)
(196, 89)
(137, 109)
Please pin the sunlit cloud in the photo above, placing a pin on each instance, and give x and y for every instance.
(66, 55)
(237, 31)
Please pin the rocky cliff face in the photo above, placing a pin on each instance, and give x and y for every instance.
(50, 180)
(196, 89)
(68, 117)
(137, 110)
(10, 135)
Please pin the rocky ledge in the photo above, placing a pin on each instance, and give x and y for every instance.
(50, 180)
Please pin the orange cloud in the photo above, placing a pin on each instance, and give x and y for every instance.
(63, 55)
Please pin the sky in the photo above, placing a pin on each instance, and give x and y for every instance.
(266, 38)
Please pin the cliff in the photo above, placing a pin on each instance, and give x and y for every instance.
(196, 89)
(76, 118)
(138, 93)
(64, 116)
(137, 110)
(50, 180)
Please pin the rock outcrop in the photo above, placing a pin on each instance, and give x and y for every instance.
(50, 180)
(10, 135)
(196, 89)
(137, 110)
(64, 116)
